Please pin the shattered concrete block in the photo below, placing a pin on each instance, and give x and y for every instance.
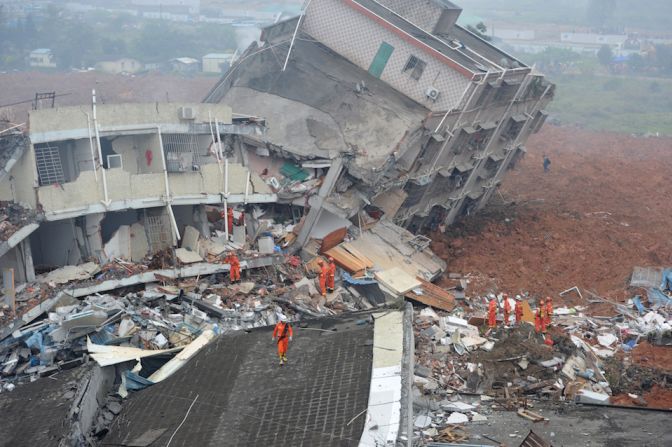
(591, 397)
(477, 418)
(422, 371)
(422, 421)
(114, 407)
(456, 406)
(187, 257)
(266, 245)
(457, 418)
(190, 239)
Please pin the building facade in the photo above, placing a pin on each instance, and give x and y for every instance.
(137, 174)
(439, 154)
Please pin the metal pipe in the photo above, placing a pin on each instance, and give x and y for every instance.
(247, 187)
(212, 136)
(168, 200)
(296, 30)
(100, 151)
(226, 219)
(93, 156)
(13, 127)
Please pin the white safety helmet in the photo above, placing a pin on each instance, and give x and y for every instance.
(283, 318)
(518, 297)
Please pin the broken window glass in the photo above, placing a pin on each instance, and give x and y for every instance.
(416, 66)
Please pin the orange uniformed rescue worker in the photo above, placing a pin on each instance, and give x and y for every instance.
(537, 317)
(549, 310)
(492, 313)
(518, 310)
(229, 218)
(331, 277)
(234, 272)
(507, 309)
(542, 312)
(283, 332)
(324, 271)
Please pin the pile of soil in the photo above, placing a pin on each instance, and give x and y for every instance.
(646, 354)
(600, 211)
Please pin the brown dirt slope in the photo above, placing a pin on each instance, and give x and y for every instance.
(603, 208)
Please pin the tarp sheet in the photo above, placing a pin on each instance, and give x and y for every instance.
(656, 296)
(666, 283)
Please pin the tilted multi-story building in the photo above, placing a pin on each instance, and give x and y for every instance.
(420, 116)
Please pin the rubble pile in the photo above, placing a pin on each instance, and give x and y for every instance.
(13, 217)
(465, 369)
(162, 315)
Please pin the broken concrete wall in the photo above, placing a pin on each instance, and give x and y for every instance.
(87, 405)
(24, 180)
(20, 260)
(325, 21)
(93, 234)
(140, 154)
(85, 191)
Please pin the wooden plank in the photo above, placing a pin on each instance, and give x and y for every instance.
(436, 291)
(433, 296)
(332, 239)
(358, 254)
(430, 301)
(345, 260)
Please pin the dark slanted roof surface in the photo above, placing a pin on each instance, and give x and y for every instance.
(37, 413)
(245, 398)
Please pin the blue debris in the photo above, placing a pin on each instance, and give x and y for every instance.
(637, 301)
(136, 382)
(656, 296)
(666, 283)
(358, 282)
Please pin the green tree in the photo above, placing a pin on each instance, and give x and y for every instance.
(605, 55)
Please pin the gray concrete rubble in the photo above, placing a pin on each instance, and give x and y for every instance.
(468, 373)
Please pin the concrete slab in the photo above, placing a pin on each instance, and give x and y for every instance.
(190, 238)
(266, 244)
(187, 257)
(384, 408)
(69, 273)
(139, 242)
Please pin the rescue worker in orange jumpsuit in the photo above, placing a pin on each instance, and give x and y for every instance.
(324, 272)
(549, 310)
(507, 309)
(229, 218)
(537, 317)
(234, 272)
(283, 332)
(492, 313)
(544, 317)
(518, 310)
(331, 277)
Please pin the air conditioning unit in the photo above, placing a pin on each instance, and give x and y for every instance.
(432, 93)
(186, 113)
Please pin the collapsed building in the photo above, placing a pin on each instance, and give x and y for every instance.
(358, 125)
(421, 117)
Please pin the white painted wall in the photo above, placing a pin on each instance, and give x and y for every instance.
(328, 20)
